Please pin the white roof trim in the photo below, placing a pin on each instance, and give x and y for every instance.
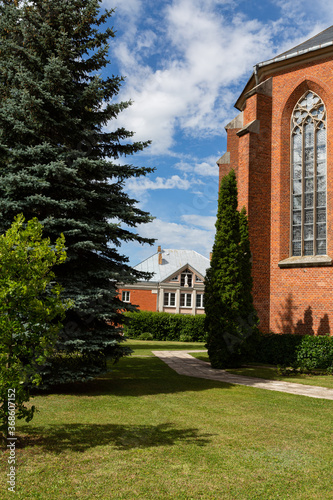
(293, 54)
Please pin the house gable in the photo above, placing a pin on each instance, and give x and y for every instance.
(177, 284)
(177, 274)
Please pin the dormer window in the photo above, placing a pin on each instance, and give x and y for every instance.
(186, 278)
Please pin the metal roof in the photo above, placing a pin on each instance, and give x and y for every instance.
(173, 261)
(323, 39)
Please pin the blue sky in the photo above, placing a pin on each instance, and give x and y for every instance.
(185, 63)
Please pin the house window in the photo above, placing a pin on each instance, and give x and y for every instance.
(126, 296)
(185, 300)
(308, 167)
(186, 278)
(169, 299)
(175, 278)
(197, 279)
(199, 300)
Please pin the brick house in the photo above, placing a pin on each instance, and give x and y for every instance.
(281, 147)
(176, 285)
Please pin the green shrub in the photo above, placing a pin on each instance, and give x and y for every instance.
(146, 336)
(277, 349)
(165, 326)
(58, 368)
(315, 353)
(299, 351)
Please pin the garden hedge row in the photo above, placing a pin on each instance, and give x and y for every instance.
(299, 351)
(165, 326)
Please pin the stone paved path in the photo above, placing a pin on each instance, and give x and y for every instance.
(185, 364)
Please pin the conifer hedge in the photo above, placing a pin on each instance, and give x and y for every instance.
(165, 326)
(307, 352)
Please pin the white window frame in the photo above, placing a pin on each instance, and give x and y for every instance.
(168, 298)
(199, 296)
(126, 296)
(186, 295)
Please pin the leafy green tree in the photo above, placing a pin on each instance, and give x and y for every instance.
(230, 315)
(58, 163)
(31, 311)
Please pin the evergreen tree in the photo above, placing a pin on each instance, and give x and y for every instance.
(230, 315)
(59, 164)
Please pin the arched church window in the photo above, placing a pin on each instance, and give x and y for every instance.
(308, 172)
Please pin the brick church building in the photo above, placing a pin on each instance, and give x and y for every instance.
(281, 148)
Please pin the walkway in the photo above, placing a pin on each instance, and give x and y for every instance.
(185, 364)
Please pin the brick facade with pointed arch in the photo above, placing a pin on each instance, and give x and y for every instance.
(291, 294)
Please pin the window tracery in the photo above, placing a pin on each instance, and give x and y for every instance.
(308, 166)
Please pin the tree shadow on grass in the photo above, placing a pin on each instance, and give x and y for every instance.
(82, 437)
(136, 377)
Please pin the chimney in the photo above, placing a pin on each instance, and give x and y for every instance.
(210, 255)
(159, 250)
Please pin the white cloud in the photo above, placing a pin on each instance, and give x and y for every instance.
(144, 184)
(180, 236)
(206, 222)
(304, 12)
(129, 8)
(204, 54)
(205, 168)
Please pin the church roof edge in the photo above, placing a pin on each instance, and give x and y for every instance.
(321, 41)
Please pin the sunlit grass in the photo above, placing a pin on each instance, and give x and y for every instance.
(142, 431)
(145, 347)
(272, 373)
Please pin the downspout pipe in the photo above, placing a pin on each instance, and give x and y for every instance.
(255, 72)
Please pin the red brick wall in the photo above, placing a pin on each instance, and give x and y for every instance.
(224, 169)
(144, 299)
(259, 207)
(301, 298)
(252, 152)
(293, 299)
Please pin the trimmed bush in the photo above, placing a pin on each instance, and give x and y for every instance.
(315, 353)
(276, 349)
(299, 351)
(165, 326)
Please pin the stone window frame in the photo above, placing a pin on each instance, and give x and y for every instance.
(286, 261)
(309, 109)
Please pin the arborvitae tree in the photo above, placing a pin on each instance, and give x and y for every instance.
(59, 164)
(230, 315)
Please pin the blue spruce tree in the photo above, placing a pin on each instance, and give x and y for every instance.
(57, 163)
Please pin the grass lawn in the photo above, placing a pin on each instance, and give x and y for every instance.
(271, 373)
(144, 432)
